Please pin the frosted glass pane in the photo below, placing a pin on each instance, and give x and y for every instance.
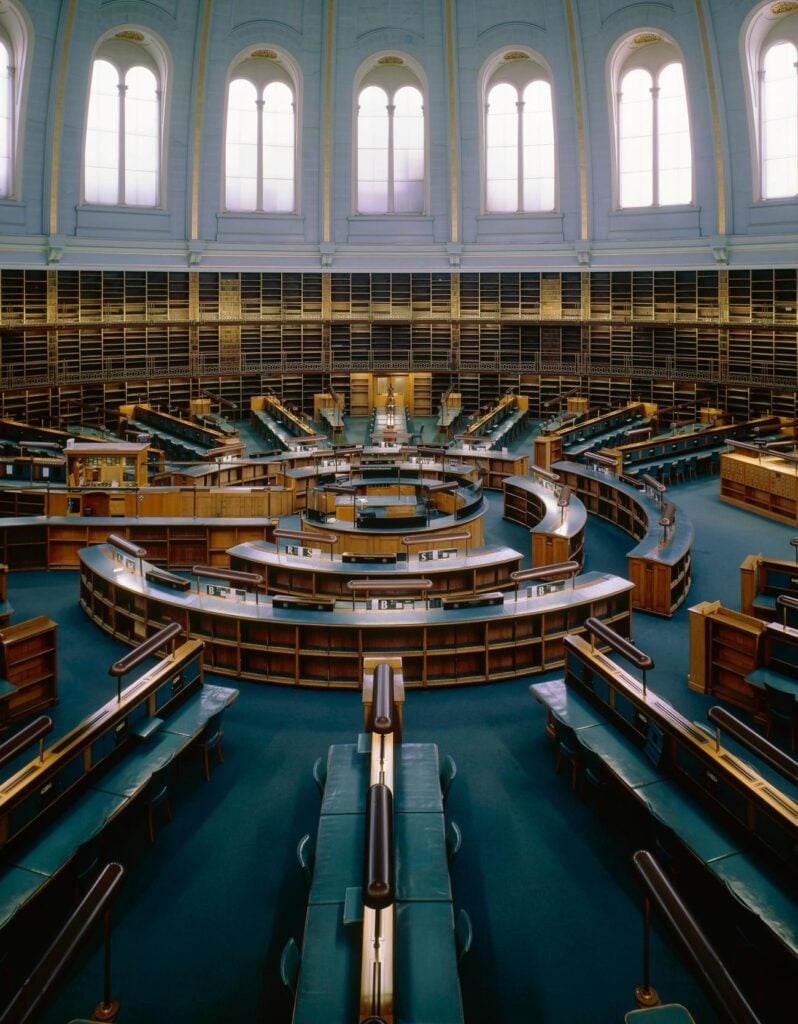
(408, 151)
(636, 189)
(241, 147)
(538, 127)
(636, 142)
(501, 191)
(675, 150)
(780, 122)
(372, 151)
(6, 100)
(408, 196)
(278, 149)
(101, 155)
(142, 132)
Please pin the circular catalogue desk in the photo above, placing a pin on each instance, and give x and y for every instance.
(470, 641)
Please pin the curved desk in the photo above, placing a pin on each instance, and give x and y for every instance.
(660, 565)
(474, 643)
(558, 535)
(488, 568)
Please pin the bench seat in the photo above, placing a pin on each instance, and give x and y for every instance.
(49, 851)
(17, 886)
(194, 714)
(766, 602)
(135, 769)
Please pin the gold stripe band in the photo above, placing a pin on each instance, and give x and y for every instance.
(195, 172)
(326, 189)
(59, 111)
(580, 121)
(453, 168)
(713, 106)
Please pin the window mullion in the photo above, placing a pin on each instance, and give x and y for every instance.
(390, 108)
(519, 158)
(655, 145)
(121, 197)
(259, 161)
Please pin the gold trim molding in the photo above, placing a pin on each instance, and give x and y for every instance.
(264, 54)
(713, 107)
(786, 7)
(327, 160)
(644, 38)
(580, 122)
(453, 167)
(131, 34)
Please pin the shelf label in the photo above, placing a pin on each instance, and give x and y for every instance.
(549, 588)
(226, 592)
(392, 604)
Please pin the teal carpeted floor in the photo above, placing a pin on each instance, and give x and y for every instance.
(204, 911)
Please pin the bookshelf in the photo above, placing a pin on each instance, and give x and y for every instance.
(28, 668)
(305, 647)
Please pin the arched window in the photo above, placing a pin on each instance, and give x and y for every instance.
(654, 157)
(390, 139)
(6, 119)
(124, 123)
(260, 147)
(770, 46)
(14, 46)
(520, 165)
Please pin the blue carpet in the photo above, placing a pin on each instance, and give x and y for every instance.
(205, 910)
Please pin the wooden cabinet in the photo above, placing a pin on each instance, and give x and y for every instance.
(28, 668)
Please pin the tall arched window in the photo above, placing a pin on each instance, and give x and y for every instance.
(15, 31)
(124, 123)
(520, 166)
(6, 119)
(770, 47)
(391, 140)
(654, 157)
(260, 146)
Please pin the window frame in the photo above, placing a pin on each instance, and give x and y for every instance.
(523, 67)
(117, 48)
(289, 73)
(762, 30)
(16, 31)
(390, 70)
(651, 50)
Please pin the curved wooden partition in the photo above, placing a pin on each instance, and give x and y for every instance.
(321, 642)
(451, 571)
(659, 565)
(558, 532)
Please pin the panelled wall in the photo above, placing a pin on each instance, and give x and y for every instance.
(76, 344)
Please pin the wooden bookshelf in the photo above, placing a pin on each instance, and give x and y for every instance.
(660, 564)
(309, 647)
(725, 647)
(28, 668)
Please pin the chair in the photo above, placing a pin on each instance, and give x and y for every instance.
(320, 773)
(212, 736)
(448, 771)
(158, 796)
(677, 471)
(594, 774)
(454, 839)
(781, 709)
(463, 934)
(305, 854)
(567, 749)
(289, 965)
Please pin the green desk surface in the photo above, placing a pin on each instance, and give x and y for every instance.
(422, 871)
(417, 781)
(670, 1013)
(81, 821)
(427, 987)
(135, 769)
(696, 828)
(328, 989)
(760, 676)
(17, 885)
(628, 762)
(189, 719)
(566, 704)
(772, 899)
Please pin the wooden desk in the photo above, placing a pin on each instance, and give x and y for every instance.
(439, 645)
(762, 580)
(767, 485)
(660, 569)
